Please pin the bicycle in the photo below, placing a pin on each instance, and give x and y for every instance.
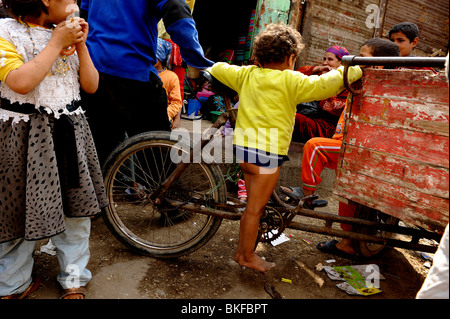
(163, 203)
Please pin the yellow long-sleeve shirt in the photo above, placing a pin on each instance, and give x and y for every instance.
(268, 99)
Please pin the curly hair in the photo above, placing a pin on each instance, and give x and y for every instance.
(276, 43)
(19, 9)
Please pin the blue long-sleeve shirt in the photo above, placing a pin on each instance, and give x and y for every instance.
(123, 35)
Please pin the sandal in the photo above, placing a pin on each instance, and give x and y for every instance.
(296, 192)
(71, 292)
(31, 288)
(329, 247)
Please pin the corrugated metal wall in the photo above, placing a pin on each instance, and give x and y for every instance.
(336, 22)
(350, 23)
(432, 18)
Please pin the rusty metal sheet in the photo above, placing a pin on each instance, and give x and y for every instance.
(328, 23)
(395, 154)
(431, 17)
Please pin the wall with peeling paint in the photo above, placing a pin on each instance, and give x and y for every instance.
(271, 11)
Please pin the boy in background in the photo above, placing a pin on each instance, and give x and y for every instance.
(406, 36)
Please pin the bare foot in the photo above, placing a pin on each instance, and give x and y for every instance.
(254, 262)
(74, 293)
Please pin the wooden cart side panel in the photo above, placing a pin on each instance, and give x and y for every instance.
(406, 173)
(409, 85)
(411, 206)
(426, 148)
(429, 118)
(395, 154)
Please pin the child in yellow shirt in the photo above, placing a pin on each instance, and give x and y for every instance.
(268, 95)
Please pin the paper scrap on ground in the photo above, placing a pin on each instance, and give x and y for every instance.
(48, 248)
(281, 239)
(358, 279)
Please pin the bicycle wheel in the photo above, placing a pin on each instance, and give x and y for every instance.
(133, 171)
(368, 249)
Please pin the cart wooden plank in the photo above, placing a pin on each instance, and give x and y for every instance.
(395, 154)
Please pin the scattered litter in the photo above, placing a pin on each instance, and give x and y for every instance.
(319, 267)
(286, 280)
(48, 248)
(281, 239)
(330, 261)
(427, 264)
(316, 278)
(361, 280)
(306, 241)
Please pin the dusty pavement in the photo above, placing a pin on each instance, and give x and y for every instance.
(210, 273)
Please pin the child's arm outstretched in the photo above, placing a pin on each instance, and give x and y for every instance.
(315, 88)
(88, 73)
(25, 78)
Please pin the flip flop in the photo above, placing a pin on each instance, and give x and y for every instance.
(31, 288)
(296, 192)
(329, 247)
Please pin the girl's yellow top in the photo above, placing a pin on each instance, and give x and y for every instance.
(268, 101)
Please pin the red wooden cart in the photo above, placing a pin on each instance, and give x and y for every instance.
(395, 154)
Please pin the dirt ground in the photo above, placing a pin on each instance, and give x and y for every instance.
(210, 272)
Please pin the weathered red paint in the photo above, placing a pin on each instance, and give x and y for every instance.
(395, 154)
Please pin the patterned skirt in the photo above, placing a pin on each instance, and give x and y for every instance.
(39, 186)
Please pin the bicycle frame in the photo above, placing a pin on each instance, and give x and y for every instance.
(231, 212)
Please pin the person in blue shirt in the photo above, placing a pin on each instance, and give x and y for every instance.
(122, 41)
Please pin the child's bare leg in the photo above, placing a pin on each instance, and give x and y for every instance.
(248, 186)
(262, 182)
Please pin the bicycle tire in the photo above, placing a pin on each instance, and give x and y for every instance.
(133, 171)
(367, 249)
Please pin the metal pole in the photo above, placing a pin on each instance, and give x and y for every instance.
(434, 62)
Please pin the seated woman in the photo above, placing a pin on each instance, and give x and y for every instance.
(319, 118)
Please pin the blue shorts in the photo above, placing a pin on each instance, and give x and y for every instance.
(259, 157)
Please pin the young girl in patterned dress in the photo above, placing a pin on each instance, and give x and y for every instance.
(50, 178)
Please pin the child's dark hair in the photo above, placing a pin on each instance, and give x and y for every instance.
(382, 47)
(276, 43)
(19, 9)
(409, 29)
